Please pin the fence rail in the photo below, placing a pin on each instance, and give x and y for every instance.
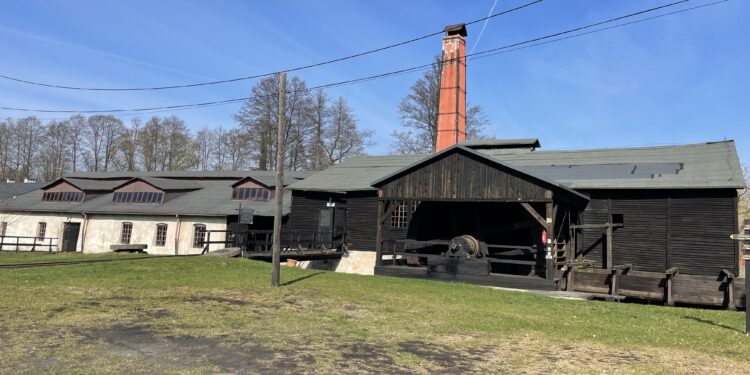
(14, 242)
(261, 241)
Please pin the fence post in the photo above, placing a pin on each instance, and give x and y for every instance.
(17, 238)
(50, 246)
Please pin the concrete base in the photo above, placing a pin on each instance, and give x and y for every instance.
(355, 261)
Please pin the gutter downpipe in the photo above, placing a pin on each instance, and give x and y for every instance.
(177, 235)
(83, 232)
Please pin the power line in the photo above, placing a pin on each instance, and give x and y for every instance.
(349, 57)
(483, 54)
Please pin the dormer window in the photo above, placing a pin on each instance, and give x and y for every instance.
(62, 196)
(252, 194)
(137, 197)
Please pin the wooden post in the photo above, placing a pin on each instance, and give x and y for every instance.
(609, 247)
(747, 287)
(549, 256)
(670, 274)
(276, 256)
(379, 234)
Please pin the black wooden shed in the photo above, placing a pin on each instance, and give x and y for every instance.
(647, 222)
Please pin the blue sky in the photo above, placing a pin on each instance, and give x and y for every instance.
(678, 79)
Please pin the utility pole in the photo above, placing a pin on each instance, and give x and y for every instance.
(276, 256)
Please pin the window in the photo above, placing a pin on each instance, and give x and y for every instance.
(161, 234)
(400, 216)
(65, 196)
(41, 230)
(252, 194)
(618, 219)
(137, 197)
(126, 233)
(3, 228)
(199, 235)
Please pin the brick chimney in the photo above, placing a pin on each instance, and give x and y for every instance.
(451, 127)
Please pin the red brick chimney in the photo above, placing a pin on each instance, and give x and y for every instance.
(451, 127)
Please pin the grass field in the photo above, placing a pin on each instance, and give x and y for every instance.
(216, 315)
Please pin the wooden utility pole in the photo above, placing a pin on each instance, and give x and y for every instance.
(275, 275)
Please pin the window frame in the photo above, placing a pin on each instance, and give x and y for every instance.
(41, 230)
(198, 242)
(126, 227)
(161, 235)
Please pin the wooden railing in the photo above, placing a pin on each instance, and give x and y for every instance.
(15, 243)
(261, 241)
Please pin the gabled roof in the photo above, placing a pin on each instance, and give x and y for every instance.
(87, 184)
(710, 165)
(246, 179)
(467, 151)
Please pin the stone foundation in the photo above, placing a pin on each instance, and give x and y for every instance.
(354, 261)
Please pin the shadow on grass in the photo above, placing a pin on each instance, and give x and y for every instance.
(290, 282)
(711, 322)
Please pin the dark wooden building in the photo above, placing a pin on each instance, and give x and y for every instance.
(650, 222)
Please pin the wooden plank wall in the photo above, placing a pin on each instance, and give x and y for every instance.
(665, 228)
(459, 176)
(687, 289)
(361, 219)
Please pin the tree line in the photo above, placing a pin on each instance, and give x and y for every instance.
(320, 131)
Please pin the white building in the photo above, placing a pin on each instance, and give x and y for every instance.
(163, 212)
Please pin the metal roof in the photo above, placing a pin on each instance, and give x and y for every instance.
(705, 165)
(164, 183)
(203, 193)
(213, 198)
(10, 190)
(502, 143)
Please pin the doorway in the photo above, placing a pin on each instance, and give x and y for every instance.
(70, 236)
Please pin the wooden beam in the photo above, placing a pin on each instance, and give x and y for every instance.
(379, 235)
(389, 207)
(609, 247)
(534, 214)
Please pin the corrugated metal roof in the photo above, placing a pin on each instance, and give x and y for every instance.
(704, 165)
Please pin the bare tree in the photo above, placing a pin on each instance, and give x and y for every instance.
(341, 138)
(76, 128)
(419, 110)
(5, 134)
(101, 135)
(152, 136)
(178, 145)
(743, 210)
(28, 140)
(258, 118)
(204, 141)
(319, 117)
(127, 147)
(53, 160)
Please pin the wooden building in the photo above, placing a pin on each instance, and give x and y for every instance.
(647, 222)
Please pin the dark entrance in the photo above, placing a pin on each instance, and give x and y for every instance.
(70, 236)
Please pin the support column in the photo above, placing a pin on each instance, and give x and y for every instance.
(379, 232)
(550, 269)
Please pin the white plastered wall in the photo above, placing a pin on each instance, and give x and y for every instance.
(102, 231)
(26, 224)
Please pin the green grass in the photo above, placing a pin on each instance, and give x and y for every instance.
(83, 318)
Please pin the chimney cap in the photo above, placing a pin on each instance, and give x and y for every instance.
(456, 29)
